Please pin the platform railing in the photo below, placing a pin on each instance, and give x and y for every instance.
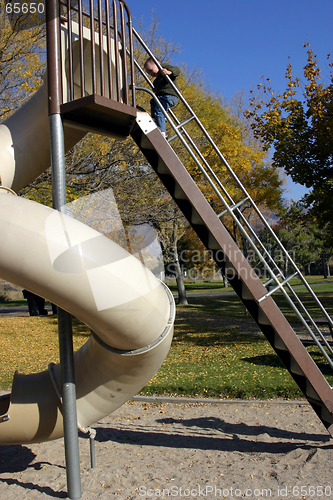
(276, 281)
(94, 40)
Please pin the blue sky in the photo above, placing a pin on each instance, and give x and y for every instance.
(235, 42)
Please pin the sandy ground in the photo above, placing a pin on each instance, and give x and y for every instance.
(164, 450)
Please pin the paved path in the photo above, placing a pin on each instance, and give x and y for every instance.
(18, 311)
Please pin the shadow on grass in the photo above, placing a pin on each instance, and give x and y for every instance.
(274, 361)
(196, 337)
(230, 305)
(266, 360)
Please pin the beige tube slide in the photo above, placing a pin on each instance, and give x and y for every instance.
(129, 311)
(25, 143)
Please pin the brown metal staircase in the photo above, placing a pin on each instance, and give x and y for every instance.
(102, 97)
(248, 287)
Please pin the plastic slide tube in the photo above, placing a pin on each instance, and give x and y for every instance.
(130, 312)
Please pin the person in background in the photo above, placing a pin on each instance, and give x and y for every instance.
(163, 90)
(36, 304)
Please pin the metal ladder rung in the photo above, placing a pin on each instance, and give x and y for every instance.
(279, 275)
(278, 287)
(181, 125)
(185, 122)
(271, 280)
(233, 207)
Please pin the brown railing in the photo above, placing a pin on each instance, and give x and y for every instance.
(90, 50)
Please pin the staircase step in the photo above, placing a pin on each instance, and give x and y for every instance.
(278, 344)
(196, 219)
(145, 144)
(262, 318)
(246, 294)
(326, 415)
(179, 193)
(294, 368)
(311, 393)
(212, 243)
(230, 270)
(162, 168)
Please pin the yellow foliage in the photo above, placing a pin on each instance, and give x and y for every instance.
(29, 344)
(22, 60)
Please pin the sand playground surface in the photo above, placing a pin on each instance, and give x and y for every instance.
(147, 450)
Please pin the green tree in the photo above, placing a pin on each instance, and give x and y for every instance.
(300, 130)
(302, 238)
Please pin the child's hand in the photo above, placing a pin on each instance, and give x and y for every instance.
(165, 71)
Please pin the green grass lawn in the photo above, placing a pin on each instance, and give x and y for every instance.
(319, 282)
(222, 364)
(225, 362)
(211, 355)
(13, 303)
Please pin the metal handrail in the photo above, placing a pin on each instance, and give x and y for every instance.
(121, 29)
(233, 209)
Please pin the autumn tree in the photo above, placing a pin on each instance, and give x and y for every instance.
(22, 58)
(298, 125)
(196, 260)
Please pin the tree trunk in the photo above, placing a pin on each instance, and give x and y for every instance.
(182, 299)
(225, 279)
(324, 263)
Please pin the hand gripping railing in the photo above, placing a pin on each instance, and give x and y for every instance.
(277, 280)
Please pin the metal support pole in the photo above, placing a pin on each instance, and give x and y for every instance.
(65, 326)
(92, 435)
(71, 437)
(58, 162)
